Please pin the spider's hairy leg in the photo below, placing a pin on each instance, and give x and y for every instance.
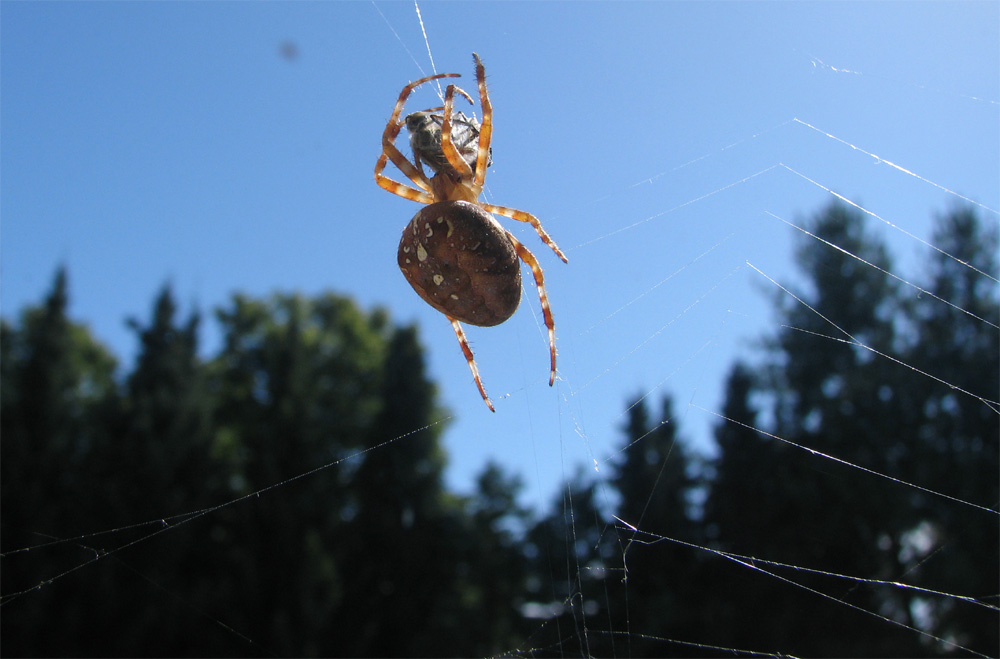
(459, 91)
(455, 159)
(464, 342)
(390, 151)
(397, 188)
(486, 129)
(536, 270)
(522, 216)
(408, 89)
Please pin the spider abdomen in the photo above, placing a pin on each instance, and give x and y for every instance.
(458, 258)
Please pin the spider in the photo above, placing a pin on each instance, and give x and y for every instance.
(454, 253)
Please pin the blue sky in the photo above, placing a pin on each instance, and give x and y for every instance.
(154, 142)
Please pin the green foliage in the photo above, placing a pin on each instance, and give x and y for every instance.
(368, 556)
(926, 416)
(285, 495)
(654, 484)
(825, 388)
(58, 390)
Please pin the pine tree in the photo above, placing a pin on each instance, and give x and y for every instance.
(954, 434)
(493, 568)
(398, 569)
(654, 485)
(568, 566)
(166, 433)
(298, 385)
(59, 398)
(837, 383)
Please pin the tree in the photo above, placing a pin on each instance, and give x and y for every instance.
(165, 433)
(835, 396)
(350, 544)
(830, 388)
(492, 569)
(747, 512)
(955, 446)
(298, 386)
(58, 394)
(399, 563)
(570, 553)
(654, 484)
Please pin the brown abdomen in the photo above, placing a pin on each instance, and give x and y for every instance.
(457, 257)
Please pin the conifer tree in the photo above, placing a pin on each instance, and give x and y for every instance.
(654, 484)
(838, 382)
(298, 386)
(58, 401)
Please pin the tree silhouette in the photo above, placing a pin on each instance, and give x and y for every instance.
(58, 391)
(828, 389)
(285, 495)
(654, 483)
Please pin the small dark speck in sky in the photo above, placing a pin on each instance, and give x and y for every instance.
(289, 50)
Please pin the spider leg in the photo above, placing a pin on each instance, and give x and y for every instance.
(522, 216)
(460, 91)
(486, 129)
(447, 145)
(398, 188)
(536, 270)
(464, 342)
(390, 152)
(408, 89)
(446, 122)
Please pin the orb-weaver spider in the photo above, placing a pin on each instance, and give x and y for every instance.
(454, 253)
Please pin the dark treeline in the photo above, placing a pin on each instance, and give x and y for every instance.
(674, 554)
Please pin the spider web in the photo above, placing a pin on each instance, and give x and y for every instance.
(740, 174)
(630, 533)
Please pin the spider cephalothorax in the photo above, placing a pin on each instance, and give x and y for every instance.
(453, 252)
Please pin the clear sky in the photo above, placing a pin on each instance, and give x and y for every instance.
(229, 146)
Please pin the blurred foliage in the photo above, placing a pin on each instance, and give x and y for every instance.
(182, 508)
